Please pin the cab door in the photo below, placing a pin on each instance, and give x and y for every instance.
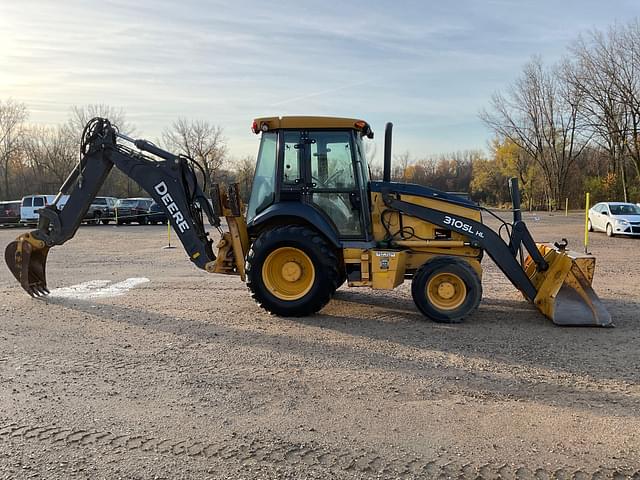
(319, 168)
(334, 186)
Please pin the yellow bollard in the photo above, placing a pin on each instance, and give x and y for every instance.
(586, 224)
(566, 207)
(168, 237)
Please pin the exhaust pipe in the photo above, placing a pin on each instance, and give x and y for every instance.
(386, 173)
(514, 190)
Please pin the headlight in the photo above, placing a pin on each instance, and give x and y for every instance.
(622, 222)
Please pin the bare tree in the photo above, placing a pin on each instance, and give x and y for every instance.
(594, 71)
(400, 164)
(244, 170)
(12, 117)
(51, 152)
(540, 115)
(199, 140)
(80, 115)
(116, 182)
(625, 47)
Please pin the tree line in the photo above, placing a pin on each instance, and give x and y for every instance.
(574, 126)
(37, 159)
(561, 129)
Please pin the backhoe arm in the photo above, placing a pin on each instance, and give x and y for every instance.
(171, 181)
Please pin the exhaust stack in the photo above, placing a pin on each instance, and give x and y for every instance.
(514, 190)
(386, 173)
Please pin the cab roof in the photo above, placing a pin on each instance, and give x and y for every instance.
(265, 124)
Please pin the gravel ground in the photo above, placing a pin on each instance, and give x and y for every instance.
(184, 376)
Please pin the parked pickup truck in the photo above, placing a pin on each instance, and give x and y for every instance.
(102, 209)
(133, 210)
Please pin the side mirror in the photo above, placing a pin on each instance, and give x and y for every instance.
(605, 213)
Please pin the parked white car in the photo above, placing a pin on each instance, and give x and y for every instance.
(615, 218)
(32, 203)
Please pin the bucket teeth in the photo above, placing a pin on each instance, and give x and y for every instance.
(26, 258)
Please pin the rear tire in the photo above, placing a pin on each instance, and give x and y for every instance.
(143, 221)
(105, 222)
(610, 230)
(446, 289)
(292, 271)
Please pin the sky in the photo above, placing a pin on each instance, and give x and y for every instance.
(427, 66)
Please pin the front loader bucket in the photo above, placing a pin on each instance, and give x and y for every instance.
(26, 257)
(564, 290)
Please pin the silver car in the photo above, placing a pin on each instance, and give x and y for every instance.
(615, 218)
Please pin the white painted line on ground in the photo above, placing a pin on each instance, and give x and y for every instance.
(97, 289)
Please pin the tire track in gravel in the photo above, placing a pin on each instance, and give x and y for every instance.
(478, 378)
(277, 452)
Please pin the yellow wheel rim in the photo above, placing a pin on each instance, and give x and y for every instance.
(446, 291)
(288, 273)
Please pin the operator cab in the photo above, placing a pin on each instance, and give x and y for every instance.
(318, 163)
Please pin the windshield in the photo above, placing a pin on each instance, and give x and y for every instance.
(262, 192)
(628, 209)
(99, 201)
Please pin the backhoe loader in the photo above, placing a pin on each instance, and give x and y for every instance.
(316, 220)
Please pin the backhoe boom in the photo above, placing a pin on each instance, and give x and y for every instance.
(171, 182)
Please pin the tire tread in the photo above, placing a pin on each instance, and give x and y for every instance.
(437, 263)
(327, 268)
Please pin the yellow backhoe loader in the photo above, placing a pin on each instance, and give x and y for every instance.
(315, 220)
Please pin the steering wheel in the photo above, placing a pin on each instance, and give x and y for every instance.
(328, 181)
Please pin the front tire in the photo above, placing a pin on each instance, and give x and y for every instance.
(589, 225)
(446, 289)
(292, 271)
(609, 230)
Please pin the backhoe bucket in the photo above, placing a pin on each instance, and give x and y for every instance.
(26, 257)
(564, 290)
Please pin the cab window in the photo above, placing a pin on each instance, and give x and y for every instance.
(263, 189)
(334, 186)
(332, 160)
(293, 151)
